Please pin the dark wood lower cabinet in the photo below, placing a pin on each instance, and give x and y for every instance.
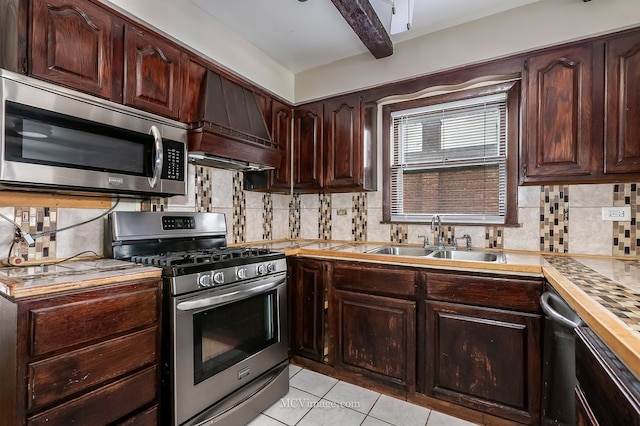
(375, 336)
(607, 392)
(484, 358)
(307, 313)
(467, 344)
(86, 357)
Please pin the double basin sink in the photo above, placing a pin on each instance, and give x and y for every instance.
(436, 253)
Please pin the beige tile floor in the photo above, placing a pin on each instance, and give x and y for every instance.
(316, 399)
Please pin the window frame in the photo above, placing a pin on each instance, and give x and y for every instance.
(512, 89)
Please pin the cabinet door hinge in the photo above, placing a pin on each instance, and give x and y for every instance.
(23, 66)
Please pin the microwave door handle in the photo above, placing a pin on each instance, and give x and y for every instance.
(158, 157)
(207, 302)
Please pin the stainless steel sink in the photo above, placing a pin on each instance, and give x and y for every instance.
(435, 253)
(475, 256)
(402, 251)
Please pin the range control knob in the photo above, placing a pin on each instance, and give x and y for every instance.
(218, 277)
(262, 269)
(271, 267)
(241, 273)
(205, 281)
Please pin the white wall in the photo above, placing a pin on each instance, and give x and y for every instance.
(186, 23)
(536, 25)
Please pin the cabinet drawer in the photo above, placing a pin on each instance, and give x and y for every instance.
(146, 418)
(84, 320)
(104, 405)
(58, 377)
(509, 293)
(375, 280)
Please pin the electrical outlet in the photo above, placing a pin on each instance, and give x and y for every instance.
(619, 214)
(341, 212)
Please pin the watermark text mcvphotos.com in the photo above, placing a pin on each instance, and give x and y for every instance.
(310, 403)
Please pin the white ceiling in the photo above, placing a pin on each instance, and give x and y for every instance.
(304, 35)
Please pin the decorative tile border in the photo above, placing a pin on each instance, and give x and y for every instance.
(35, 220)
(554, 219)
(626, 238)
(239, 210)
(621, 301)
(449, 234)
(204, 196)
(154, 205)
(399, 233)
(494, 237)
(267, 216)
(359, 217)
(324, 216)
(294, 216)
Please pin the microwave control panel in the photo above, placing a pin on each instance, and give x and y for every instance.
(173, 168)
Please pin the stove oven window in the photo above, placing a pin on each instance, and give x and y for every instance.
(227, 334)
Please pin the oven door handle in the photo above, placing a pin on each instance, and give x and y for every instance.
(207, 302)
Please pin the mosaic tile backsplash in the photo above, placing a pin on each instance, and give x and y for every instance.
(294, 217)
(239, 210)
(553, 219)
(41, 223)
(359, 218)
(267, 217)
(203, 189)
(626, 238)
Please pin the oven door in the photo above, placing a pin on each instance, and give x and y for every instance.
(224, 339)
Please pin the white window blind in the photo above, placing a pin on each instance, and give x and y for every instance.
(450, 160)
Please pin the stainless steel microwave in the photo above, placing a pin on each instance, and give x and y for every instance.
(62, 140)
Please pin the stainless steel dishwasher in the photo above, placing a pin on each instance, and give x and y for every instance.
(558, 369)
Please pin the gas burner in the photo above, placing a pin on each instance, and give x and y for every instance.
(193, 257)
(214, 257)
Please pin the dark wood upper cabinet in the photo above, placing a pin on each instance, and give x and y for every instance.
(308, 130)
(343, 136)
(152, 73)
(192, 90)
(622, 105)
(77, 44)
(334, 148)
(281, 116)
(579, 113)
(557, 139)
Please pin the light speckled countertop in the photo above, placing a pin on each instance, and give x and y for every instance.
(18, 282)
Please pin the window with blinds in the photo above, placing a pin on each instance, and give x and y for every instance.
(450, 159)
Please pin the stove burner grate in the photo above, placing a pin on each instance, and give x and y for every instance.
(198, 257)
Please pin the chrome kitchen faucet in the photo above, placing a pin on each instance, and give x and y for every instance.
(440, 231)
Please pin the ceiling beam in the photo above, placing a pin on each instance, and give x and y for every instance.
(364, 20)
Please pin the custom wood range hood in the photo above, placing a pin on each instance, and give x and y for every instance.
(231, 132)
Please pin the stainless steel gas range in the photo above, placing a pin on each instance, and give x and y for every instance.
(224, 341)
